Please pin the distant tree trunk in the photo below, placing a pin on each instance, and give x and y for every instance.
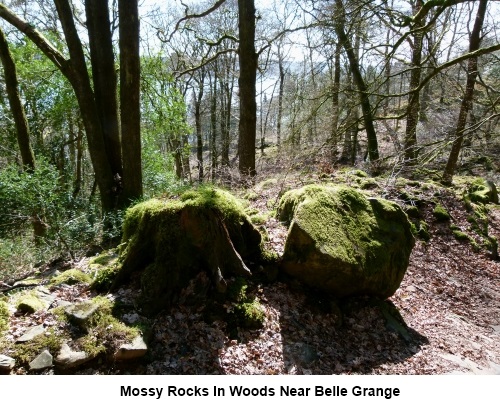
(79, 157)
(198, 98)
(130, 70)
(21, 124)
(467, 100)
(247, 81)
(335, 103)
(280, 98)
(358, 80)
(413, 109)
(213, 123)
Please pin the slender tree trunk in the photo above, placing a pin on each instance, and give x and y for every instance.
(248, 75)
(467, 100)
(280, 98)
(335, 103)
(16, 106)
(213, 124)
(199, 134)
(413, 109)
(22, 128)
(79, 160)
(359, 81)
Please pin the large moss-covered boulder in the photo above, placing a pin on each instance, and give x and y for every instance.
(170, 241)
(344, 243)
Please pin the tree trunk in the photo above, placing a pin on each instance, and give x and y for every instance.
(21, 124)
(359, 81)
(412, 111)
(130, 70)
(16, 106)
(335, 103)
(248, 75)
(104, 78)
(197, 120)
(280, 98)
(467, 100)
(77, 74)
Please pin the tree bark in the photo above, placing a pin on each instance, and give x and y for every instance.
(412, 111)
(16, 106)
(104, 79)
(358, 80)
(247, 81)
(78, 76)
(467, 100)
(128, 11)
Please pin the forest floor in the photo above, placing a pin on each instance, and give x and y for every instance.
(449, 300)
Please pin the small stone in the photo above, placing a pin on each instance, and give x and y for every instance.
(42, 361)
(136, 349)
(81, 312)
(31, 334)
(68, 358)
(6, 363)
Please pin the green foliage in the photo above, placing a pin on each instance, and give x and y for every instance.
(164, 127)
(24, 194)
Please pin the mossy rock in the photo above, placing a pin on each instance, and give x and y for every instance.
(483, 191)
(440, 213)
(70, 277)
(420, 229)
(344, 243)
(30, 303)
(412, 211)
(170, 241)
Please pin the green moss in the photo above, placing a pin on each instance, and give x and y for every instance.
(104, 277)
(412, 211)
(104, 258)
(440, 213)
(105, 333)
(251, 195)
(348, 209)
(258, 219)
(70, 277)
(359, 173)
(420, 229)
(459, 235)
(249, 315)
(267, 184)
(24, 353)
(4, 316)
(29, 303)
(237, 290)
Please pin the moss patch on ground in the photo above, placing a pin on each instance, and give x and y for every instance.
(4, 316)
(440, 213)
